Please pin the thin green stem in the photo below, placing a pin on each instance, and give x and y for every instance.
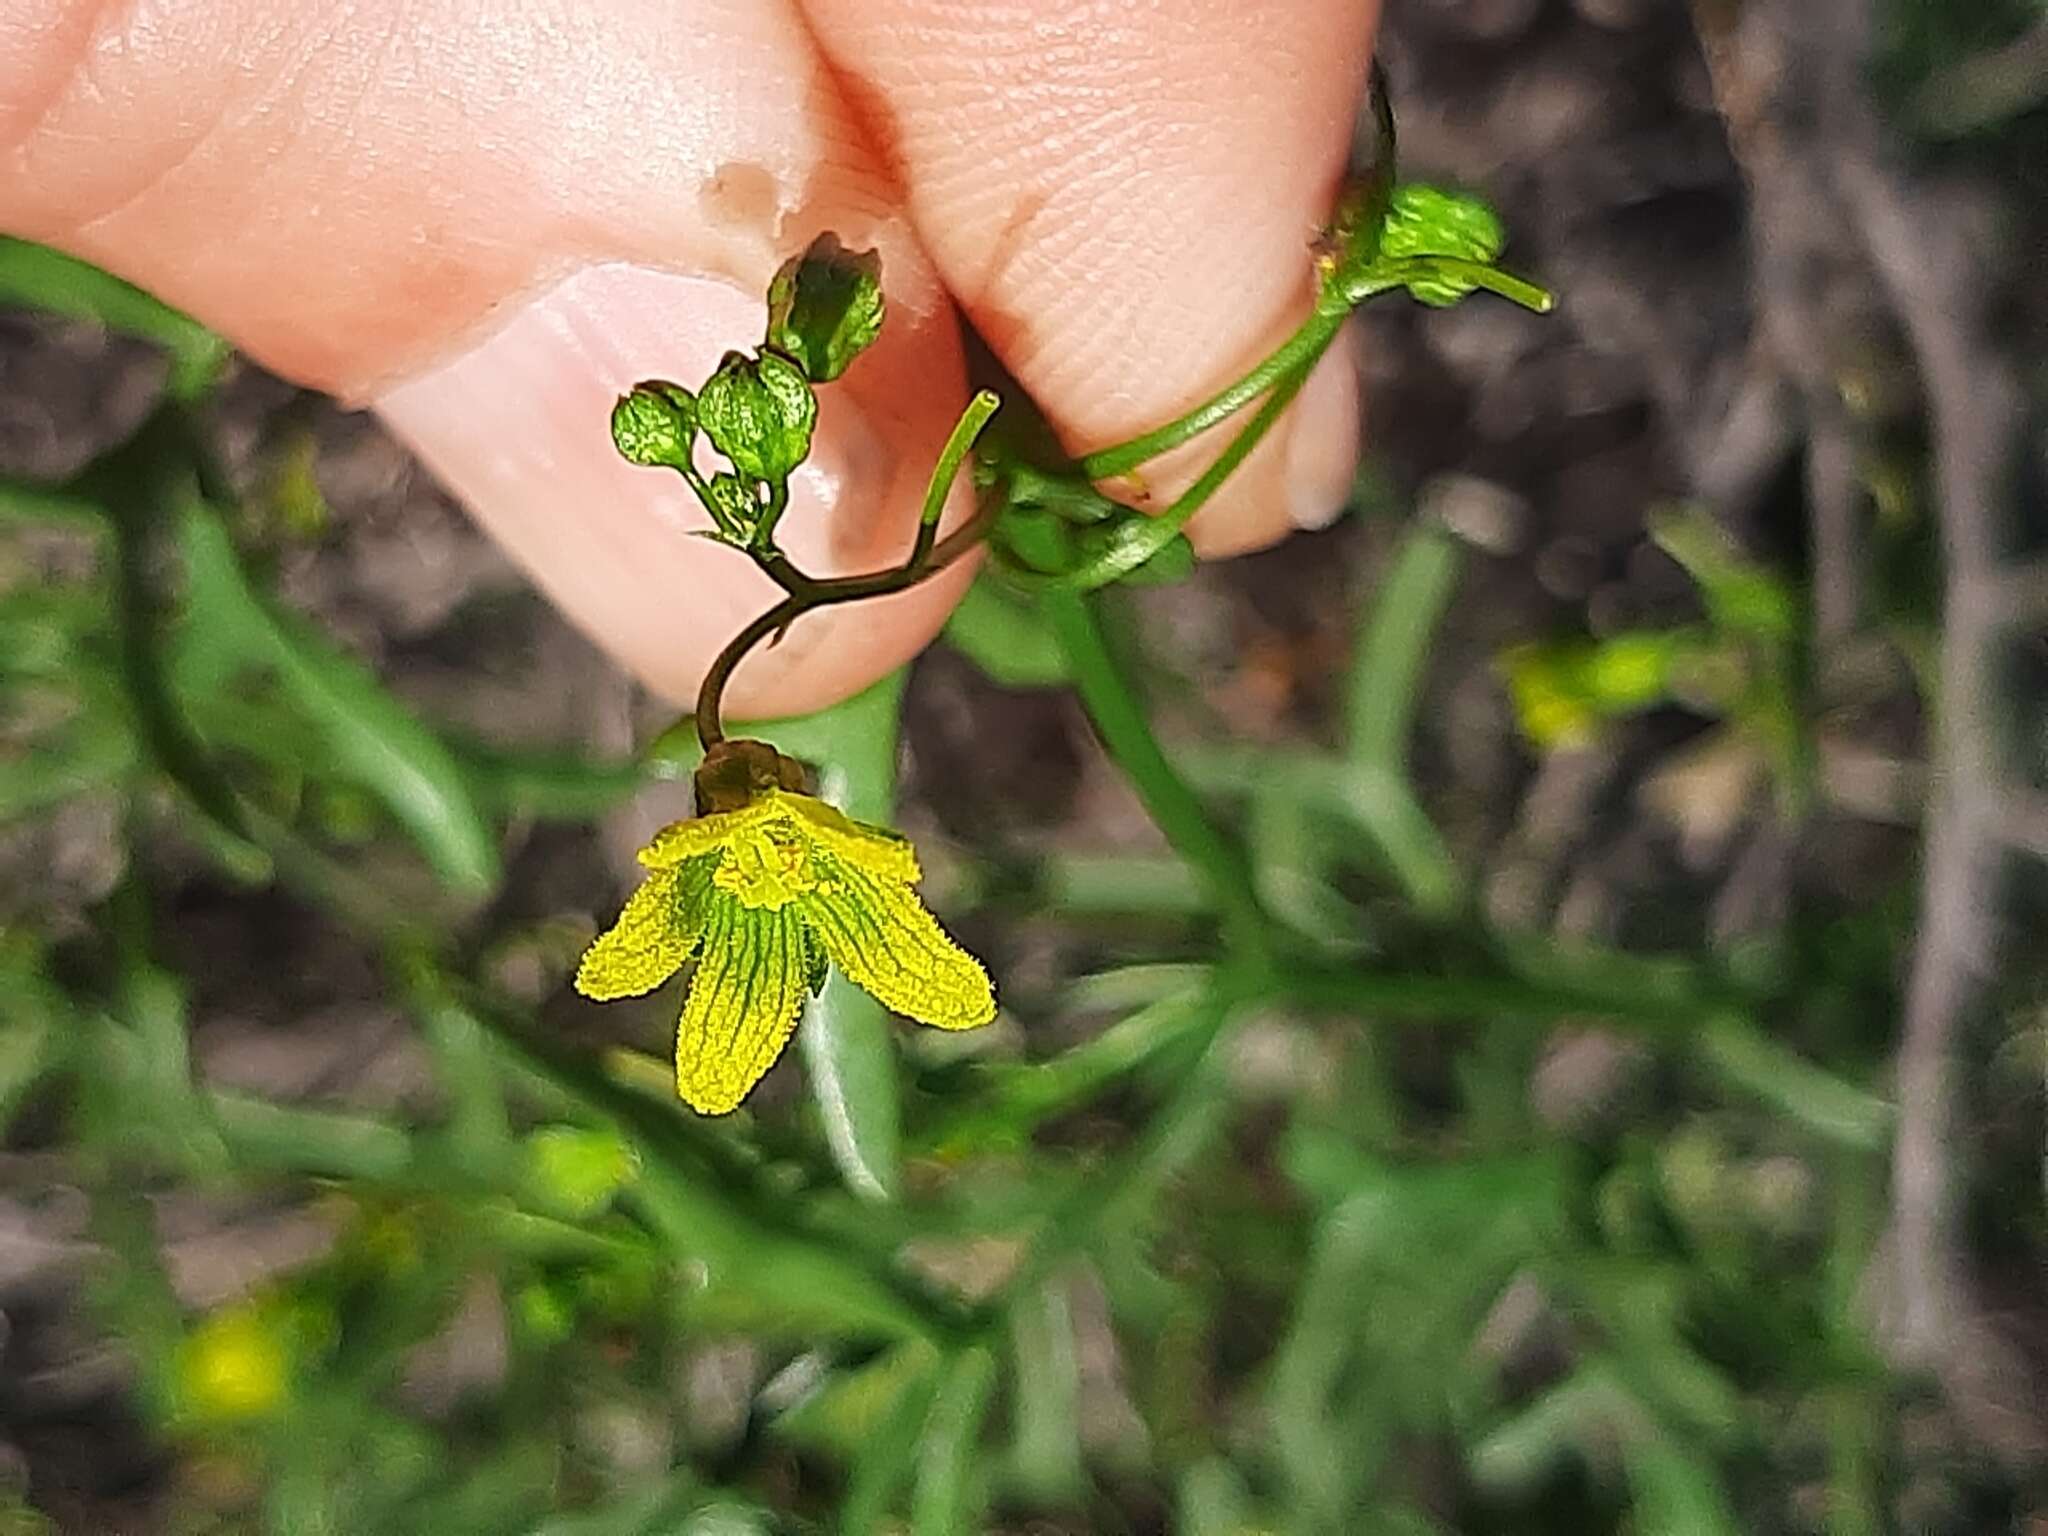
(143, 480)
(1432, 997)
(1296, 354)
(1385, 278)
(27, 502)
(1127, 734)
(959, 443)
(771, 514)
(1153, 536)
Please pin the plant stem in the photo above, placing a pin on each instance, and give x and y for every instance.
(1296, 354)
(711, 694)
(1425, 997)
(1515, 290)
(959, 443)
(1148, 537)
(778, 503)
(142, 482)
(1128, 736)
(806, 592)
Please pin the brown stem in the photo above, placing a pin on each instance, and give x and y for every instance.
(810, 592)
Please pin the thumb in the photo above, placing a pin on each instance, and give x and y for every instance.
(486, 223)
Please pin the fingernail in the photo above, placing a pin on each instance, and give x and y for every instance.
(1322, 442)
(518, 429)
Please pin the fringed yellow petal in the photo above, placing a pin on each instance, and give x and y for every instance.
(881, 936)
(652, 938)
(743, 1005)
(875, 849)
(682, 840)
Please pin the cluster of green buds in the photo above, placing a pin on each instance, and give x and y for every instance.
(758, 409)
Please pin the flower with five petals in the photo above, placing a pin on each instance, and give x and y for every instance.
(766, 890)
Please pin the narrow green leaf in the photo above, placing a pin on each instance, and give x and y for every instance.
(1309, 1446)
(848, 1048)
(1745, 1057)
(1213, 1501)
(1132, 546)
(1294, 861)
(1385, 807)
(374, 741)
(1003, 635)
(1676, 1491)
(549, 786)
(947, 1489)
(40, 278)
(1528, 1445)
(885, 1459)
(1045, 1442)
(23, 501)
(1742, 596)
(1081, 885)
(478, 1130)
(1385, 681)
(288, 1138)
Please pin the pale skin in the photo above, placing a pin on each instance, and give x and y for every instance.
(485, 218)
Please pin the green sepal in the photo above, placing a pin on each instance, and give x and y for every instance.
(655, 424)
(758, 412)
(825, 307)
(817, 971)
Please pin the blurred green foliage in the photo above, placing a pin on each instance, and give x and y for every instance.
(1279, 1238)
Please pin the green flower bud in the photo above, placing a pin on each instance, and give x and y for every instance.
(758, 412)
(825, 307)
(655, 425)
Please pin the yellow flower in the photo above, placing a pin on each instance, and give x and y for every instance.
(233, 1366)
(766, 894)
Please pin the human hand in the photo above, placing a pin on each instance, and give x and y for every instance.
(486, 220)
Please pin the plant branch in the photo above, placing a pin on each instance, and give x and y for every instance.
(1297, 354)
(926, 559)
(959, 443)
